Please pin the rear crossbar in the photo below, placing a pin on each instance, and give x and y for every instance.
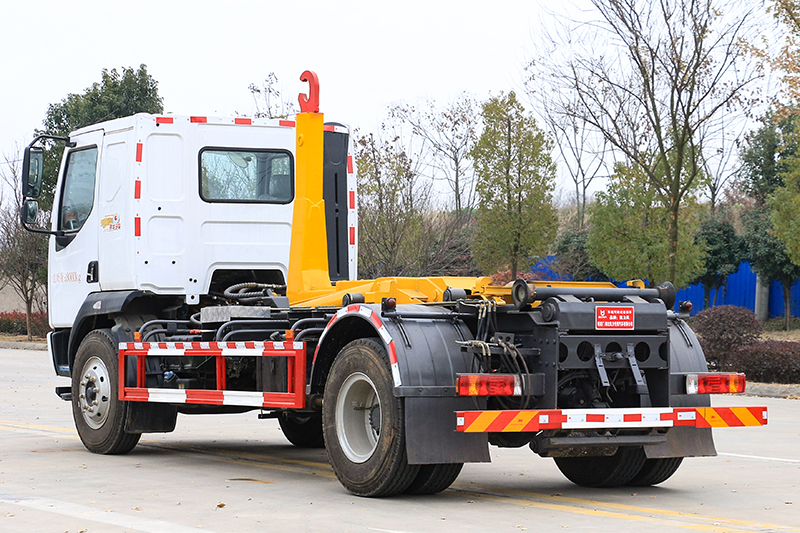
(624, 418)
(295, 352)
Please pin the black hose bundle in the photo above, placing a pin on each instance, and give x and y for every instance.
(244, 293)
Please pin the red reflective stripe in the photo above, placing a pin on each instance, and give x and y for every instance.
(376, 320)
(214, 397)
(352, 199)
(632, 418)
(595, 418)
(138, 152)
(137, 227)
(287, 123)
(328, 127)
(349, 164)
(163, 120)
(243, 121)
(352, 235)
(137, 190)
(198, 120)
(392, 354)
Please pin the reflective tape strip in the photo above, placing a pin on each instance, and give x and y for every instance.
(166, 395)
(139, 149)
(243, 121)
(202, 348)
(194, 396)
(530, 420)
(722, 417)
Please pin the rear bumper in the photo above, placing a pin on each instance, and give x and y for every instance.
(633, 418)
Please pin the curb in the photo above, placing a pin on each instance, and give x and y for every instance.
(766, 390)
(772, 390)
(8, 345)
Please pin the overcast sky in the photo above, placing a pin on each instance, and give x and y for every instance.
(204, 54)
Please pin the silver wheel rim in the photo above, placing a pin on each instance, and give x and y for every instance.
(94, 392)
(358, 417)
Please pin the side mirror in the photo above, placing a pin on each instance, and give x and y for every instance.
(30, 212)
(32, 170)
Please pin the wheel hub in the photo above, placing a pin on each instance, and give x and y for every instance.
(358, 417)
(94, 392)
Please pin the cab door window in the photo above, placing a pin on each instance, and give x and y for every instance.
(77, 197)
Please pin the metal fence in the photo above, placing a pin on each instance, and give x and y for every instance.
(740, 290)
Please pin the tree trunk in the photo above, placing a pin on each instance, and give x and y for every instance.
(787, 304)
(672, 255)
(28, 318)
(706, 296)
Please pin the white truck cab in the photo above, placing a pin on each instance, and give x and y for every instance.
(184, 206)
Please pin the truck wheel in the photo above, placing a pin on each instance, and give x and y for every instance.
(302, 431)
(433, 479)
(610, 471)
(99, 414)
(363, 423)
(656, 471)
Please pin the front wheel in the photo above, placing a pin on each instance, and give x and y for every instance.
(363, 423)
(96, 408)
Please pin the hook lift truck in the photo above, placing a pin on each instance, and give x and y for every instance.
(207, 265)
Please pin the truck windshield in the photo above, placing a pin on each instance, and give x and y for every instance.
(231, 175)
(77, 198)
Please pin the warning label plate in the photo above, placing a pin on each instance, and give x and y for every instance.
(616, 317)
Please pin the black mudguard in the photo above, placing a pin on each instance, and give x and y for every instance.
(686, 355)
(429, 358)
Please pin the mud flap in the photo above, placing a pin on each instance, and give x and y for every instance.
(431, 435)
(684, 442)
(150, 417)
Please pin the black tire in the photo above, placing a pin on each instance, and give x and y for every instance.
(656, 471)
(607, 471)
(304, 431)
(364, 424)
(98, 413)
(433, 479)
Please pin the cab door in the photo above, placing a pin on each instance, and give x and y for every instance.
(73, 263)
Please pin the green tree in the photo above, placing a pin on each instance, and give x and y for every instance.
(768, 256)
(724, 253)
(572, 257)
(784, 200)
(515, 219)
(117, 94)
(765, 155)
(628, 237)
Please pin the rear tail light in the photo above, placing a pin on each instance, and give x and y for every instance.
(489, 385)
(714, 383)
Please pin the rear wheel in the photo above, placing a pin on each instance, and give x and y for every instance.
(608, 471)
(432, 479)
(98, 413)
(363, 423)
(304, 431)
(656, 471)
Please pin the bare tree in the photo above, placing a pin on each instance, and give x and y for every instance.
(270, 102)
(449, 133)
(23, 255)
(663, 73)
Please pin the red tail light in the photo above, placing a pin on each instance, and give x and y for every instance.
(489, 385)
(714, 383)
